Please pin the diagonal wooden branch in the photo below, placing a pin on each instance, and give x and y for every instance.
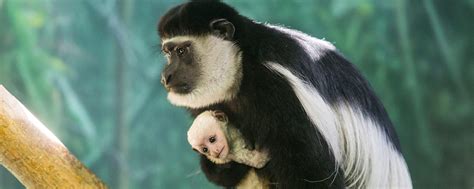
(33, 154)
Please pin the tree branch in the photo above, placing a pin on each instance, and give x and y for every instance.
(34, 155)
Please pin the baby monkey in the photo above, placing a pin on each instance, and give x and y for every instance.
(213, 136)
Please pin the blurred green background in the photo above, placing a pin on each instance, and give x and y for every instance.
(89, 69)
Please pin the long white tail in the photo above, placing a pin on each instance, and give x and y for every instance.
(360, 147)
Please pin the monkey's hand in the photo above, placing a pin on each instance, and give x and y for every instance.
(261, 158)
(249, 145)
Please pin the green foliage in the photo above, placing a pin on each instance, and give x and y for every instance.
(88, 69)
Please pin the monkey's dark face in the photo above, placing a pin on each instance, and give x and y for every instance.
(204, 64)
(202, 70)
(182, 70)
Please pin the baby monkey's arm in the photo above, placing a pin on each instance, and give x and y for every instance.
(253, 158)
(243, 153)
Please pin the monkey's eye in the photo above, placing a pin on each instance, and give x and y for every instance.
(212, 139)
(180, 51)
(205, 150)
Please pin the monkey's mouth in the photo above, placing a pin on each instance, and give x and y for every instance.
(182, 88)
(220, 152)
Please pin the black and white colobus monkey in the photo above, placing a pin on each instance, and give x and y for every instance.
(288, 92)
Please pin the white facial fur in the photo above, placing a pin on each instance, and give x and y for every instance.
(221, 68)
(203, 127)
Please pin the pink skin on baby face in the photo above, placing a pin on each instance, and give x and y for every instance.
(209, 140)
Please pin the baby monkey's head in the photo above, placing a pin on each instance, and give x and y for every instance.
(207, 137)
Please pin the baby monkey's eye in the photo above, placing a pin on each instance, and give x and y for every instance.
(212, 139)
(180, 51)
(204, 150)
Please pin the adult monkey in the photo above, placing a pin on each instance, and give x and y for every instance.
(288, 92)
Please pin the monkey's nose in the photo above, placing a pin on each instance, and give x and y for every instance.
(165, 79)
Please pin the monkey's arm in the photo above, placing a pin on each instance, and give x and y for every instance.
(253, 158)
(241, 151)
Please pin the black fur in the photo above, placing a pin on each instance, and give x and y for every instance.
(227, 175)
(266, 109)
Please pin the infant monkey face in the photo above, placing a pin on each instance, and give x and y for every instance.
(215, 145)
(207, 136)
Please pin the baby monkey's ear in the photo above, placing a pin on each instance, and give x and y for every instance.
(220, 115)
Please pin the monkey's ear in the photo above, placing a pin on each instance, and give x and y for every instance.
(222, 28)
(220, 115)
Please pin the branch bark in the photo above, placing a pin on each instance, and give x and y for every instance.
(34, 155)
